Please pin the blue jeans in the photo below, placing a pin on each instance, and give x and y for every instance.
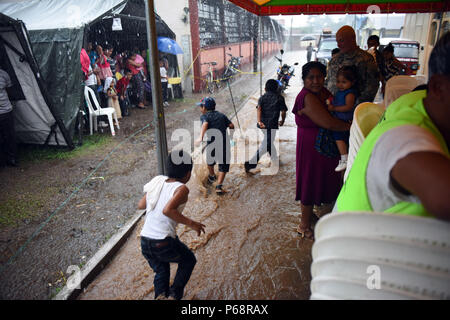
(267, 145)
(159, 254)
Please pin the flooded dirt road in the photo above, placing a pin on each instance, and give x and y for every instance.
(250, 249)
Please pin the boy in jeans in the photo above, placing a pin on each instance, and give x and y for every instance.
(215, 124)
(164, 201)
(270, 105)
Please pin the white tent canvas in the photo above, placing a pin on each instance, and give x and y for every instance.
(34, 121)
(57, 14)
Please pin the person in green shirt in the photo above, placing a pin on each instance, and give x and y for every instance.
(403, 166)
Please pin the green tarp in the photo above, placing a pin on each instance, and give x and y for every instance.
(58, 54)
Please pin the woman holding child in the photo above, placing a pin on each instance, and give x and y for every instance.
(316, 179)
(135, 64)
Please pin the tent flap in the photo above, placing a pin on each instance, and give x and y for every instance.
(32, 111)
(58, 54)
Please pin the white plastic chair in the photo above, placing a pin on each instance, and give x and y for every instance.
(95, 111)
(368, 255)
(169, 91)
(366, 116)
(400, 85)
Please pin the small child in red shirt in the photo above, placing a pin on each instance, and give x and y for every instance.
(121, 88)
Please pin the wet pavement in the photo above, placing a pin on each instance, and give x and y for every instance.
(250, 249)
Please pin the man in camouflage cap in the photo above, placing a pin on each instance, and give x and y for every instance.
(351, 55)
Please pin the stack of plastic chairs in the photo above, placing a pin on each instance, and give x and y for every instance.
(367, 114)
(366, 117)
(400, 85)
(359, 255)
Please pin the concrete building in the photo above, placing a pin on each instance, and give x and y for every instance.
(427, 29)
(382, 25)
(208, 30)
(175, 14)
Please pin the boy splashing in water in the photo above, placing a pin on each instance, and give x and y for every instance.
(164, 200)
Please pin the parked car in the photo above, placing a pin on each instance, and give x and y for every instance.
(323, 51)
(406, 51)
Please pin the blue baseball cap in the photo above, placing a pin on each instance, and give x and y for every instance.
(208, 102)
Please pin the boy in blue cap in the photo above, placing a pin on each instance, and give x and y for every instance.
(215, 124)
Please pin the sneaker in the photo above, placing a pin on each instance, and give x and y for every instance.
(165, 104)
(341, 166)
(220, 189)
(103, 124)
(212, 179)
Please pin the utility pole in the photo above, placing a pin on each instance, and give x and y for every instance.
(260, 54)
(158, 110)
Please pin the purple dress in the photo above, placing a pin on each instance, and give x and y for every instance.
(317, 182)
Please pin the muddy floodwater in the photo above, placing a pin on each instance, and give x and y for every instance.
(250, 249)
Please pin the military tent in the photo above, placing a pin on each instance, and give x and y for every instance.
(48, 36)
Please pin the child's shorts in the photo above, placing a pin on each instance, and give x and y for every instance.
(344, 116)
(221, 158)
(341, 135)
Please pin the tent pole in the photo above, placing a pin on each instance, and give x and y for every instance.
(260, 55)
(158, 110)
(440, 27)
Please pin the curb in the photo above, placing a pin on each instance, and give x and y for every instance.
(82, 278)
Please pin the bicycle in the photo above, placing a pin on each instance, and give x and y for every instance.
(211, 83)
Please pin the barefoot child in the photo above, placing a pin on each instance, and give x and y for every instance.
(164, 201)
(343, 106)
(215, 124)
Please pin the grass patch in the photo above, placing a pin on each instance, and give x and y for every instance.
(34, 153)
(14, 210)
(19, 205)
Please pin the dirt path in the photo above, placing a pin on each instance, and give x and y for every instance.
(72, 207)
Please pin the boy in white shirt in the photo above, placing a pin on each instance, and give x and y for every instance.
(164, 201)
